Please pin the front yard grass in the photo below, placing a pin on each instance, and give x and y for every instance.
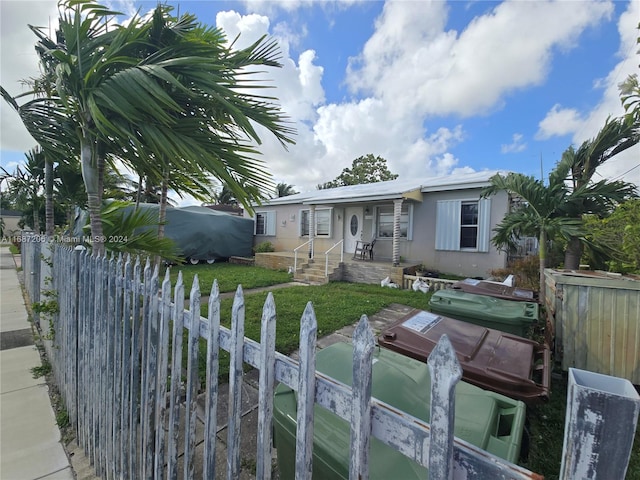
(229, 275)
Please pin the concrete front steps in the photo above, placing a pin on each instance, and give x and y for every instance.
(313, 272)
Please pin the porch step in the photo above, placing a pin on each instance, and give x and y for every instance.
(314, 273)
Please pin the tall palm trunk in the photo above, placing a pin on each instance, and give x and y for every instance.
(48, 199)
(162, 211)
(573, 254)
(542, 253)
(91, 164)
(139, 191)
(36, 211)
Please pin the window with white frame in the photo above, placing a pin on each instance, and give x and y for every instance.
(384, 221)
(469, 225)
(323, 221)
(265, 223)
(463, 225)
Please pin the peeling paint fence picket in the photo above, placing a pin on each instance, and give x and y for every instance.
(122, 386)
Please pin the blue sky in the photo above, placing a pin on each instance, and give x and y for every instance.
(433, 87)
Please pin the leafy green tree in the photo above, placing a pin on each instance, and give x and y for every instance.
(365, 169)
(134, 231)
(621, 231)
(284, 190)
(157, 88)
(598, 198)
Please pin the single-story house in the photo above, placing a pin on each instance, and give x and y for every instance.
(441, 222)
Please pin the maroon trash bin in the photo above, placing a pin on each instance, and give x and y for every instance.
(508, 364)
(498, 290)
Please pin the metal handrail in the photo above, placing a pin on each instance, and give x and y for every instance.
(295, 255)
(326, 257)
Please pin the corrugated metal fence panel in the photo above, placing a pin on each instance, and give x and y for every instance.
(597, 321)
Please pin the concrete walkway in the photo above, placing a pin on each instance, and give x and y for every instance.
(30, 445)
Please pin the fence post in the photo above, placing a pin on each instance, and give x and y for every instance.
(267, 376)
(77, 335)
(235, 385)
(35, 266)
(600, 423)
(445, 373)
(176, 371)
(213, 369)
(306, 393)
(163, 364)
(125, 419)
(192, 379)
(363, 344)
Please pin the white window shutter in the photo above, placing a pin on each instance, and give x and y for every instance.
(484, 224)
(448, 224)
(270, 221)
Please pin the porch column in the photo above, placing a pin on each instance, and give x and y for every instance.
(312, 228)
(397, 212)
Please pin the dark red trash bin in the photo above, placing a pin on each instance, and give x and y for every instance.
(508, 364)
(498, 290)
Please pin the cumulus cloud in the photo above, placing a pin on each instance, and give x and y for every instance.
(19, 61)
(584, 126)
(413, 60)
(516, 145)
(413, 70)
(559, 122)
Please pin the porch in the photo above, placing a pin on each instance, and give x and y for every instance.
(323, 268)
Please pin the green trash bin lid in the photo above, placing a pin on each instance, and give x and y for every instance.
(505, 315)
(486, 419)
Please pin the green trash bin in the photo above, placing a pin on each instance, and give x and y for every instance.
(486, 419)
(490, 312)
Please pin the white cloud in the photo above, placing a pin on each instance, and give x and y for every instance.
(584, 126)
(622, 166)
(414, 63)
(516, 145)
(559, 122)
(18, 61)
(412, 69)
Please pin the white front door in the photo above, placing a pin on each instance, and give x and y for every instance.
(352, 228)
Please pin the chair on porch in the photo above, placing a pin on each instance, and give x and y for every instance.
(364, 250)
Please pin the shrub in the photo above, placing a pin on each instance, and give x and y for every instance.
(264, 247)
(526, 271)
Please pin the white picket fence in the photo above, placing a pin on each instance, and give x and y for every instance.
(116, 325)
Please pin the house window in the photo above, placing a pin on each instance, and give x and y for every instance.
(384, 220)
(463, 225)
(469, 225)
(265, 223)
(323, 222)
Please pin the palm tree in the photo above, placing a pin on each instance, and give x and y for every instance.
(597, 198)
(225, 197)
(538, 214)
(28, 183)
(185, 101)
(284, 190)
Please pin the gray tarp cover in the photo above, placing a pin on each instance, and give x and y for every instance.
(204, 234)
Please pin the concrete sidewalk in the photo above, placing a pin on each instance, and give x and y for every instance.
(30, 445)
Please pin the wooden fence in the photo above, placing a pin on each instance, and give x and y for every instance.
(117, 360)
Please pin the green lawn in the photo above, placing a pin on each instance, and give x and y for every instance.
(229, 275)
(338, 304)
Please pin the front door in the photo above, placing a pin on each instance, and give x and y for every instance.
(352, 228)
